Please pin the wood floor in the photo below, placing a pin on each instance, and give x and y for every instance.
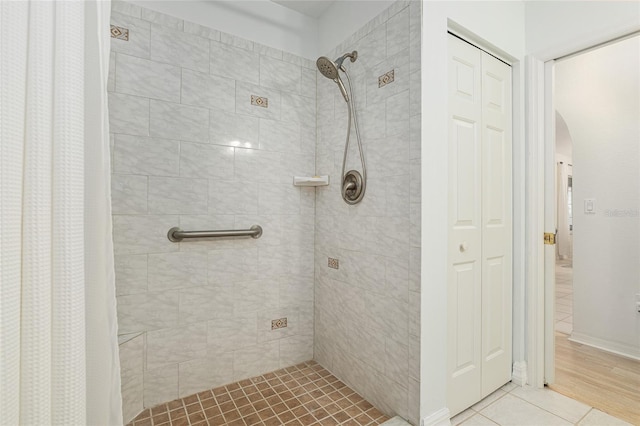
(605, 381)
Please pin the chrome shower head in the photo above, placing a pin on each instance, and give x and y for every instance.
(329, 69)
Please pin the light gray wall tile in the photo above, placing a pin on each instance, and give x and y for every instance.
(279, 75)
(415, 136)
(244, 91)
(370, 347)
(229, 266)
(131, 274)
(308, 82)
(201, 374)
(296, 349)
(398, 32)
(131, 373)
(415, 34)
(415, 98)
(227, 128)
(128, 194)
(252, 296)
(175, 345)
(298, 109)
(162, 19)
(177, 121)
(147, 311)
(177, 270)
(296, 291)
(414, 314)
(139, 35)
(168, 195)
(267, 51)
(371, 48)
(160, 385)
(205, 303)
(140, 234)
(202, 31)
(399, 63)
(278, 198)
(233, 197)
(126, 8)
(128, 114)
(179, 48)
(145, 156)
(233, 62)
(206, 161)
(280, 136)
(397, 107)
(111, 82)
(236, 41)
(255, 360)
(232, 333)
(299, 60)
(142, 77)
(414, 269)
(416, 224)
(207, 90)
(261, 166)
(397, 278)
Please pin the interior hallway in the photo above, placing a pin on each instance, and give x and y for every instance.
(605, 381)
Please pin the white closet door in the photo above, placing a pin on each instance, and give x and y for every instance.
(465, 226)
(496, 224)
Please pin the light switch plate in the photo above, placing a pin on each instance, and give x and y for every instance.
(589, 206)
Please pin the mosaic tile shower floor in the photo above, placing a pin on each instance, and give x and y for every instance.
(305, 394)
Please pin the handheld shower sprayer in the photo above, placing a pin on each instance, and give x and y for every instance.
(330, 68)
(353, 183)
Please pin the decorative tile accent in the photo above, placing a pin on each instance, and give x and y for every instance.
(278, 323)
(119, 33)
(259, 101)
(333, 263)
(386, 78)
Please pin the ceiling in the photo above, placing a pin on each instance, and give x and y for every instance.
(312, 8)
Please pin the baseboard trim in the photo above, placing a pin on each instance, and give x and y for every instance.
(519, 373)
(439, 418)
(621, 349)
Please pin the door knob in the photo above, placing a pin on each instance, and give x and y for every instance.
(463, 247)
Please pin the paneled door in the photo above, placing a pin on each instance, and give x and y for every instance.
(479, 252)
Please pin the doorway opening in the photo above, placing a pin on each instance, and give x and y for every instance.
(597, 200)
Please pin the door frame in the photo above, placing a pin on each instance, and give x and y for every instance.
(540, 166)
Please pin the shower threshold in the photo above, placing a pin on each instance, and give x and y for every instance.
(304, 394)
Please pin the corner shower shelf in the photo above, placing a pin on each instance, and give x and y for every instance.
(311, 180)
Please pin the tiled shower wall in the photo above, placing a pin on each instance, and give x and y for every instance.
(367, 311)
(193, 147)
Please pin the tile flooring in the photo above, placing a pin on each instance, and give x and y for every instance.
(305, 394)
(564, 296)
(521, 406)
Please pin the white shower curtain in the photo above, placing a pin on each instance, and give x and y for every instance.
(58, 338)
(562, 243)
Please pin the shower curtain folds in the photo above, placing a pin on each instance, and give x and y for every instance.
(57, 295)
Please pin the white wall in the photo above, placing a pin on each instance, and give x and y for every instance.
(260, 21)
(564, 144)
(598, 94)
(557, 28)
(503, 28)
(343, 18)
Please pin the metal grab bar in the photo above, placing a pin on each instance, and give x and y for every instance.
(176, 234)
